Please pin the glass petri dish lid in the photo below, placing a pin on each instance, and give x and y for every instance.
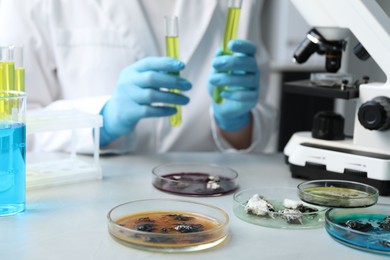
(168, 225)
(337, 193)
(195, 179)
(366, 229)
(276, 207)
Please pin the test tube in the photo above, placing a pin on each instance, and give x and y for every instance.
(11, 74)
(11, 68)
(172, 50)
(231, 28)
(8, 77)
(5, 76)
(16, 55)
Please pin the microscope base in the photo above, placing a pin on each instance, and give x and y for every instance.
(312, 173)
(315, 159)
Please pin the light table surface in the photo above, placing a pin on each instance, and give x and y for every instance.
(69, 221)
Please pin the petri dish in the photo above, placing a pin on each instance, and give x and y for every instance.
(338, 194)
(281, 216)
(366, 229)
(168, 225)
(194, 179)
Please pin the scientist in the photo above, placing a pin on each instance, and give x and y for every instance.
(107, 57)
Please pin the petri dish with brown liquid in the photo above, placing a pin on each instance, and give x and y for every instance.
(168, 225)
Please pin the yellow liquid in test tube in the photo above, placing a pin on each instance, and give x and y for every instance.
(172, 50)
(7, 84)
(19, 79)
(11, 76)
(2, 87)
(231, 29)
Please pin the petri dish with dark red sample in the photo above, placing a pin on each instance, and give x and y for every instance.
(195, 179)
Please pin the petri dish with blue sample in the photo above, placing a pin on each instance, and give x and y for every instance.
(195, 179)
(366, 229)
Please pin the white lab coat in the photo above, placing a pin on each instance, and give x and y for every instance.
(74, 51)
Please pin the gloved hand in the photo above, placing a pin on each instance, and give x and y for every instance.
(240, 73)
(138, 95)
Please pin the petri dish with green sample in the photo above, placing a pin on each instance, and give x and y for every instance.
(338, 193)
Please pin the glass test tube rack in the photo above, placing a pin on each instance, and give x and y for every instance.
(62, 168)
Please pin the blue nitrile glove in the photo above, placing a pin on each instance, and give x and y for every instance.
(139, 95)
(240, 73)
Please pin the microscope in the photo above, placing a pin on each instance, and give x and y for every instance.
(325, 152)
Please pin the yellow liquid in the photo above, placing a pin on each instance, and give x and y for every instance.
(19, 79)
(7, 82)
(2, 87)
(231, 28)
(9, 75)
(172, 50)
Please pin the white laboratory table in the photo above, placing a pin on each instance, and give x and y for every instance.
(69, 221)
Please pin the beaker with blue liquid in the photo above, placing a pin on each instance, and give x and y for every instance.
(12, 132)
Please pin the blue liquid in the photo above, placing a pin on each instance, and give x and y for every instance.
(376, 240)
(12, 168)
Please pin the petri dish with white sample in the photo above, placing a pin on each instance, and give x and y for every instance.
(277, 207)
